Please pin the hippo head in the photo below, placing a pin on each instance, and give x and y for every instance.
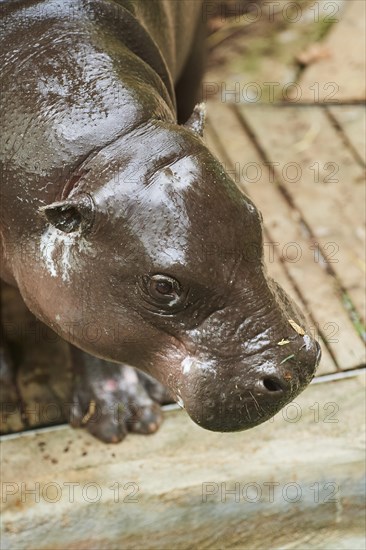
(153, 257)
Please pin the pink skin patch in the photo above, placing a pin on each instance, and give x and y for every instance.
(110, 385)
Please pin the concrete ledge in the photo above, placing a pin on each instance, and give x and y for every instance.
(296, 482)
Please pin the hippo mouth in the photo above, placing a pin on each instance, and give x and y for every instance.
(228, 399)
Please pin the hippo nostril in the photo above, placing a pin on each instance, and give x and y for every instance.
(272, 384)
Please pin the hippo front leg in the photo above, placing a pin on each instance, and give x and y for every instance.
(111, 399)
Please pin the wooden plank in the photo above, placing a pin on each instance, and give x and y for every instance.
(341, 76)
(276, 269)
(317, 286)
(302, 474)
(352, 120)
(328, 190)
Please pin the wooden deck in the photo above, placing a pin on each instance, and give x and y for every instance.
(307, 179)
(293, 483)
(303, 164)
(302, 160)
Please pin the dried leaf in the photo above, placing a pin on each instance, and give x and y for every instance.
(283, 342)
(315, 52)
(296, 327)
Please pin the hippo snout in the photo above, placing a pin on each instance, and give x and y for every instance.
(220, 396)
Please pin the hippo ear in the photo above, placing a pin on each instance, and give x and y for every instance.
(196, 121)
(71, 215)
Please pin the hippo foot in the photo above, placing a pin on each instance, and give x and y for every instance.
(109, 400)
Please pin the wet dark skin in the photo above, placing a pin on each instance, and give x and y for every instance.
(123, 232)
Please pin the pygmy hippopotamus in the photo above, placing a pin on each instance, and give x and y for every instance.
(111, 203)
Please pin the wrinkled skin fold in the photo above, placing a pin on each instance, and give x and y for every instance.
(121, 230)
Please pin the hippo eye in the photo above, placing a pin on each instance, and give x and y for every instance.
(163, 288)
